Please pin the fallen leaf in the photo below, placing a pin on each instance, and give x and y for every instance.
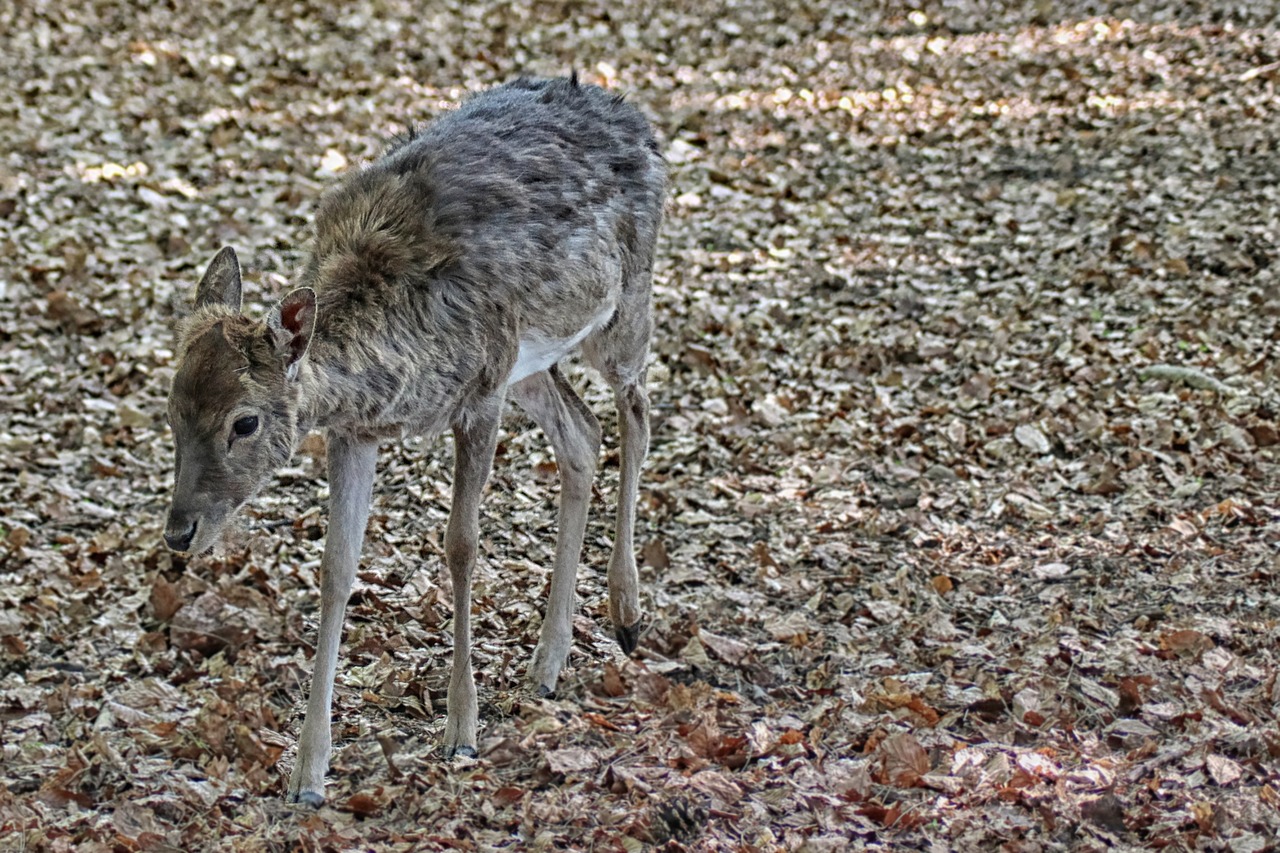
(1223, 770)
(654, 553)
(572, 760)
(903, 760)
(1186, 642)
(1030, 437)
(165, 599)
(729, 650)
(1107, 812)
(612, 680)
(363, 805)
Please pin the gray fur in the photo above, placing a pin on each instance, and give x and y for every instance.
(522, 221)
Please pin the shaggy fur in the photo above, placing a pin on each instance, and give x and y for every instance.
(511, 229)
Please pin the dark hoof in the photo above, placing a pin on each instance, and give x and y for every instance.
(628, 637)
(307, 798)
(545, 692)
(463, 751)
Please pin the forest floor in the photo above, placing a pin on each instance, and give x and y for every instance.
(961, 525)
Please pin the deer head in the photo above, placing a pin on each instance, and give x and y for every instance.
(234, 403)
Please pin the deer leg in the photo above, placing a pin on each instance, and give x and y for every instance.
(474, 443)
(574, 434)
(351, 470)
(624, 580)
(618, 351)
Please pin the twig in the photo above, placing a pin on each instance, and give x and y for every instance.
(1259, 71)
(1187, 375)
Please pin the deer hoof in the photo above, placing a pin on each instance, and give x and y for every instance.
(545, 692)
(307, 798)
(628, 637)
(463, 751)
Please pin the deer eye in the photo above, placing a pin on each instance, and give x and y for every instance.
(245, 426)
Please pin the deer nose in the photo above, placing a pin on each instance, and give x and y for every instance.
(180, 541)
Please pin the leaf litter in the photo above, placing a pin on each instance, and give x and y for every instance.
(960, 522)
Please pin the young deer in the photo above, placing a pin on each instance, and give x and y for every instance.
(449, 275)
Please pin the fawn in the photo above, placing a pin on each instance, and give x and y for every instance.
(452, 273)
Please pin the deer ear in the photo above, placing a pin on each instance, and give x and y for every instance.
(292, 322)
(221, 282)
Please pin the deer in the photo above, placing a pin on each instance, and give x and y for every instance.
(449, 275)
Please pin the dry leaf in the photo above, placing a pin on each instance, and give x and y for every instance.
(1186, 642)
(1030, 437)
(612, 680)
(165, 599)
(363, 805)
(1223, 770)
(572, 760)
(729, 650)
(903, 760)
(654, 553)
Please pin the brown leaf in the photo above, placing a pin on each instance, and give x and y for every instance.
(209, 624)
(362, 805)
(504, 752)
(1105, 482)
(942, 584)
(654, 553)
(729, 650)
(254, 750)
(1216, 701)
(1189, 643)
(893, 817)
(18, 537)
(763, 555)
(904, 761)
(791, 625)
(704, 738)
(67, 310)
(508, 795)
(721, 786)
(612, 680)
(572, 760)
(165, 599)
(1106, 812)
(1130, 697)
(1204, 816)
(60, 797)
(988, 709)
(652, 688)
(1264, 434)
(600, 720)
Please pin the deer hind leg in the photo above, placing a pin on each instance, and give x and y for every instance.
(574, 434)
(474, 442)
(618, 351)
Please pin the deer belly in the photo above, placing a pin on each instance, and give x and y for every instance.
(538, 353)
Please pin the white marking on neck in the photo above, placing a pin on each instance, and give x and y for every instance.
(538, 353)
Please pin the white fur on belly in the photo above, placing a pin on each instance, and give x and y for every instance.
(538, 354)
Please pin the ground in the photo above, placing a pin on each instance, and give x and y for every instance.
(961, 526)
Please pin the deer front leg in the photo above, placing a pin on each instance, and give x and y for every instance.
(474, 443)
(351, 469)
